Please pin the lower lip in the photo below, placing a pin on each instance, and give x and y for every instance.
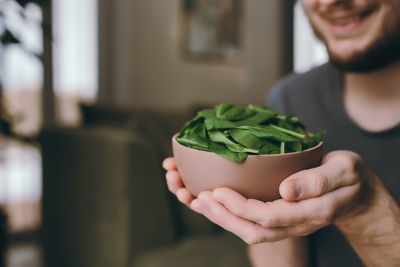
(349, 28)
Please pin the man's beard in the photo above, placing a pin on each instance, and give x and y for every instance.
(382, 53)
(379, 55)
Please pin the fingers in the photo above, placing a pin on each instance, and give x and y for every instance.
(250, 209)
(298, 218)
(327, 193)
(338, 169)
(174, 181)
(249, 231)
(184, 196)
(280, 213)
(176, 187)
(172, 176)
(256, 221)
(169, 164)
(346, 200)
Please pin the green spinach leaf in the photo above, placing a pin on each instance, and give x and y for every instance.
(234, 132)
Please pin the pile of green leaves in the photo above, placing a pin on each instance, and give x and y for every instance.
(234, 132)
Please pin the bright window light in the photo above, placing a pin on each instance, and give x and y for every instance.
(75, 48)
(308, 50)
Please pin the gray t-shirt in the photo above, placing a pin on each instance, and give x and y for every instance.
(316, 98)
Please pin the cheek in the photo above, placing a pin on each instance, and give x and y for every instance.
(311, 8)
(309, 4)
(391, 18)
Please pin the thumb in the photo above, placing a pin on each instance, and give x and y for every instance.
(335, 172)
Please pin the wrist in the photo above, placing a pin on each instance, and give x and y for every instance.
(374, 206)
(374, 231)
(367, 196)
(365, 204)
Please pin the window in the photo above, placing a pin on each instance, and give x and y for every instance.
(308, 50)
(21, 72)
(75, 56)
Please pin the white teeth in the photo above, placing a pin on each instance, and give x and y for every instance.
(345, 21)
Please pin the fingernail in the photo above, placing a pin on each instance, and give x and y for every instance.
(296, 189)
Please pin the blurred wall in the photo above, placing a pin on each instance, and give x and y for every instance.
(140, 64)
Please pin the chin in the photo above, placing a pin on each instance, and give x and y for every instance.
(344, 56)
(349, 48)
(362, 63)
(364, 58)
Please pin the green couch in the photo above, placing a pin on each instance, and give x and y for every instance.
(106, 204)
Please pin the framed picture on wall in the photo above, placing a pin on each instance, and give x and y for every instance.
(212, 30)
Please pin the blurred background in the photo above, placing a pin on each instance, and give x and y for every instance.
(91, 93)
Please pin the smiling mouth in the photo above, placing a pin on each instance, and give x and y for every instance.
(344, 20)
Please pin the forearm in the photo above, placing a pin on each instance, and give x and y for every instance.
(375, 233)
(290, 252)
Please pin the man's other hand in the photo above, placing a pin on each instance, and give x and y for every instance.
(311, 199)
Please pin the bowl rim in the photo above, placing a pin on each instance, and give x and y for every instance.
(320, 144)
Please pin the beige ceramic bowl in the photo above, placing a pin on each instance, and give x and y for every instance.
(258, 177)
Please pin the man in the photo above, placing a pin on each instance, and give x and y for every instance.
(348, 207)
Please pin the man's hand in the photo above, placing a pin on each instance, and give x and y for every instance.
(291, 252)
(174, 182)
(312, 199)
(342, 191)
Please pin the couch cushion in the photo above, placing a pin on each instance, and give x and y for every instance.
(103, 197)
(158, 127)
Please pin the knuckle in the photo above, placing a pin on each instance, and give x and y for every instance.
(323, 221)
(320, 183)
(300, 230)
(200, 195)
(270, 222)
(325, 214)
(203, 195)
(350, 163)
(238, 212)
(243, 209)
(168, 176)
(347, 160)
(172, 176)
(351, 170)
